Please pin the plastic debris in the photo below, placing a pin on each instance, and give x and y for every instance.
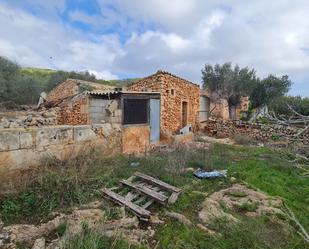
(201, 174)
(134, 164)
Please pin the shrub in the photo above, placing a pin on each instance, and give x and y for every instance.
(244, 139)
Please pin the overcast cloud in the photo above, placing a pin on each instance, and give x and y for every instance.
(134, 38)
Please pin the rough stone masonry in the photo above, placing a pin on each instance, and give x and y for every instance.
(174, 92)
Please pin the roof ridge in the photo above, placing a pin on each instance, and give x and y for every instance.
(161, 71)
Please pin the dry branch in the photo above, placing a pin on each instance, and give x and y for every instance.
(292, 217)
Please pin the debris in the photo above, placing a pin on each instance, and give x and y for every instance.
(39, 244)
(210, 174)
(154, 219)
(145, 190)
(4, 239)
(134, 164)
(239, 198)
(200, 226)
(180, 217)
(292, 217)
(186, 129)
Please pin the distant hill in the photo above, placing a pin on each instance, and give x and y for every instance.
(124, 82)
(44, 75)
(23, 85)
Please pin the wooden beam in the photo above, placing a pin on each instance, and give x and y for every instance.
(157, 182)
(141, 212)
(162, 199)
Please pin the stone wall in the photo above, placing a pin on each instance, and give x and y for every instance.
(174, 91)
(24, 119)
(71, 87)
(74, 111)
(63, 90)
(23, 148)
(133, 143)
(260, 132)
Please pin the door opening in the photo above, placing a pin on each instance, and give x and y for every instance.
(184, 114)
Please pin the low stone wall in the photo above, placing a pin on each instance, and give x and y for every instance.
(260, 132)
(22, 148)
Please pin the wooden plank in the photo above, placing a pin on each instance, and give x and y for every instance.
(143, 213)
(139, 200)
(173, 198)
(131, 196)
(157, 182)
(152, 187)
(162, 199)
(148, 203)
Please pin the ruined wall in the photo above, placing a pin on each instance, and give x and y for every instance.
(64, 90)
(71, 87)
(242, 107)
(219, 108)
(174, 91)
(23, 148)
(74, 111)
(260, 132)
(135, 139)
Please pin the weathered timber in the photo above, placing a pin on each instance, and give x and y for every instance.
(173, 198)
(140, 200)
(162, 199)
(157, 182)
(131, 196)
(148, 203)
(141, 212)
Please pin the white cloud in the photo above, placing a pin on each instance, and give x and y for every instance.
(32, 41)
(176, 35)
(106, 75)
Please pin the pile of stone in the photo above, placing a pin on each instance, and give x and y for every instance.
(28, 119)
(261, 132)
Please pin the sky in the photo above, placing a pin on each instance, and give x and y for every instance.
(116, 39)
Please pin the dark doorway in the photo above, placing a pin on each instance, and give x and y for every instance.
(184, 114)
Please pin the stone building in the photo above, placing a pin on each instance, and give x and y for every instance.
(135, 114)
(179, 99)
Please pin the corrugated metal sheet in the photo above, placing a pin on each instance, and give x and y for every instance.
(108, 92)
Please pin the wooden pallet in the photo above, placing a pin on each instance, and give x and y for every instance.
(144, 190)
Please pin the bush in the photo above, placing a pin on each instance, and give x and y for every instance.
(244, 139)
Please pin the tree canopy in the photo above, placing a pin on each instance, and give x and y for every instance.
(233, 82)
(24, 85)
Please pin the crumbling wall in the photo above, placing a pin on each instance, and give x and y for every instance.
(24, 119)
(74, 111)
(72, 87)
(174, 91)
(219, 108)
(23, 148)
(261, 132)
(63, 90)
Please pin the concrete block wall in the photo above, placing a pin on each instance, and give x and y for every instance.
(23, 148)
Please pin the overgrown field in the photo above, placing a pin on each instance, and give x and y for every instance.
(60, 186)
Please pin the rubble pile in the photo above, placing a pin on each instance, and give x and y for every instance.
(261, 132)
(29, 119)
